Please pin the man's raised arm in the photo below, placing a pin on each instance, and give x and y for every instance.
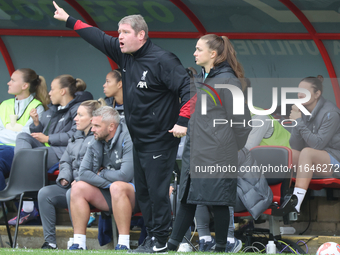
(97, 38)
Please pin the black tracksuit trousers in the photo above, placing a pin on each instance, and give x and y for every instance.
(153, 171)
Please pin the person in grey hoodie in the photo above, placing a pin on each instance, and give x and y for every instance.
(105, 178)
(315, 140)
(56, 125)
(54, 196)
(53, 129)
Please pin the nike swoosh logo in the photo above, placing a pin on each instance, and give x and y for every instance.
(159, 249)
(154, 157)
(299, 193)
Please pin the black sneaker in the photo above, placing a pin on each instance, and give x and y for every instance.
(207, 246)
(47, 245)
(159, 248)
(145, 247)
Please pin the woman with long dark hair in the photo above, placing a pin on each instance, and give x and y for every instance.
(315, 140)
(205, 178)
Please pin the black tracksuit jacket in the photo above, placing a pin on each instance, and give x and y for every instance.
(153, 81)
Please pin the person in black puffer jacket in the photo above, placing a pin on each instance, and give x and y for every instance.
(212, 145)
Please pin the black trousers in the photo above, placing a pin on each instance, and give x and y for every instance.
(186, 214)
(152, 180)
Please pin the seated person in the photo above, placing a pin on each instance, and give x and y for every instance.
(113, 90)
(105, 178)
(30, 92)
(53, 129)
(54, 196)
(270, 133)
(315, 140)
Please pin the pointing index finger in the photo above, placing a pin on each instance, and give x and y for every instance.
(55, 5)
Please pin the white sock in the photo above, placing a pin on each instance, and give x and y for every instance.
(80, 239)
(53, 245)
(231, 240)
(28, 206)
(300, 193)
(206, 238)
(124, 240)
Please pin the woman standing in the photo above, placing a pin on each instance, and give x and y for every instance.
(212, 146)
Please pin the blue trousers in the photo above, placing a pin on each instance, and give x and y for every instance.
(6, 158)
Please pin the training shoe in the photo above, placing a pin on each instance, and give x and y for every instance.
(24, 217)
(47, 245)
(159, 248)
(234, 247)
(145, 247)
(184, 247)
(121, 247)
(207, 246)
(75, 246)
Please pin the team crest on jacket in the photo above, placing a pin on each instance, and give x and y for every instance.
(142, 83)
(144, 74)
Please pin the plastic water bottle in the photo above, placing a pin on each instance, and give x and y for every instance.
(287, 230)
(271, 247)
(70, 242)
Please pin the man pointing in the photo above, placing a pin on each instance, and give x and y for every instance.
(153, 81)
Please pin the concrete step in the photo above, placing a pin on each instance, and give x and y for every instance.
(32, 237)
